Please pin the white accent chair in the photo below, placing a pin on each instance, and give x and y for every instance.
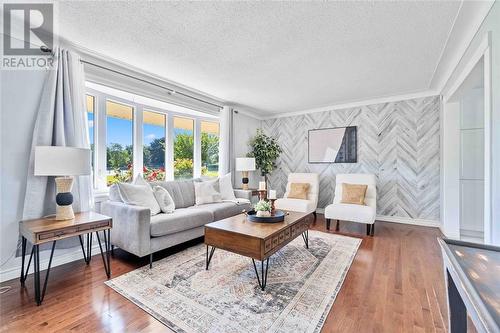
(299, 205)
(354, 213)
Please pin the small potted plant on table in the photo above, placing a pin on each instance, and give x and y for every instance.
(263, 208)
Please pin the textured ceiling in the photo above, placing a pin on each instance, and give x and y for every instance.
(272, 56)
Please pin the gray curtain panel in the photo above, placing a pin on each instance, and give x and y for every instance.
(225, 142)
(61, 121)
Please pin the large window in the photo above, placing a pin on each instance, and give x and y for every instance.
(91, 121)
(209, 148)
(153, 150)
(132, 134)
(183, 148)
(119, 141)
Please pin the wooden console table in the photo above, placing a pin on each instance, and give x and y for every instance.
(44, 230)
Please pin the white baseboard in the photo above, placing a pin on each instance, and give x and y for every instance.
(399, 219)
(408, 220)
(14, 269)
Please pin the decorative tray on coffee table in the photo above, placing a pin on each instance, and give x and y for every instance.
(276, 216)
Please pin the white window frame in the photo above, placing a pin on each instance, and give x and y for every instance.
(100, 137)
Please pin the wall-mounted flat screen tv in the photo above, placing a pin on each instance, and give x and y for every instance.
(333, 145)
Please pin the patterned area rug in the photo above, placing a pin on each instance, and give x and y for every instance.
(301, 287)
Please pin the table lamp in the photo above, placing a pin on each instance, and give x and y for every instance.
(64, 163)
(245, 164)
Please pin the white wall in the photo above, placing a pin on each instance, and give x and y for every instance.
(20, 95)
(490, 24)
(244, 128)
(472, 164)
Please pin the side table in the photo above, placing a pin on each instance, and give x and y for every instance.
(44, 230)
(251, 192)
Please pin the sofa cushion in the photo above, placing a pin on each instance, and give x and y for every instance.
(182, 191)
(222, 210)
(295, 205)
(349, 212)
(181, 219)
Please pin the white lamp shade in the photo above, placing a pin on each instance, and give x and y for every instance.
(62, 161)
(245, 164)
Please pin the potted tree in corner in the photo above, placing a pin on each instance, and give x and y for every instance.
(265, 150)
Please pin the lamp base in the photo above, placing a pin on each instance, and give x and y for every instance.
(64, 198)
(244, 180)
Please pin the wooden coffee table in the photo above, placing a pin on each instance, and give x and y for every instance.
(255, 240)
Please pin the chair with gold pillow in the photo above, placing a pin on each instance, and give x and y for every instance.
(301, 193)
(355, 200)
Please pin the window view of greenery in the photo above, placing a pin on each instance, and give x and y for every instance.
(90, 119)
(183, 148)
(153, 146)
(209, 149)
(119, 141)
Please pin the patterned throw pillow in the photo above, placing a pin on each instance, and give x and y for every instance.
(298, 191)
(353, 194)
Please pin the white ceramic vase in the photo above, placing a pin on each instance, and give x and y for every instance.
(263, 213)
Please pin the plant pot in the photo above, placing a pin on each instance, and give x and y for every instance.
(263, 213)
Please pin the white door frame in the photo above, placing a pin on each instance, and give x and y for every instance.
(483, 51)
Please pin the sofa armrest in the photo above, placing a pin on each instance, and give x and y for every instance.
(131, 226)
(243, 194)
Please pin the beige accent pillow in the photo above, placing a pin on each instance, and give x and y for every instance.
(298, 191)
(353, 194)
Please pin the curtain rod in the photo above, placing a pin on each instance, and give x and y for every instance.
(170, 91)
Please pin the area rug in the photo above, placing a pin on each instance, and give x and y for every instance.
(301, 287)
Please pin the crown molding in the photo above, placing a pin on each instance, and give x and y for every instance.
(357, 103)
(248, 113)
(466, 25)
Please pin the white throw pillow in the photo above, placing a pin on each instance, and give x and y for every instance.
(167, 204)
(205, 192)
(139, 180)
(114, 193)
(226, 187)
(139, 195)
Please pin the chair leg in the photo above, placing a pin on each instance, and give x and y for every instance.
(328, 224)
(150, 260)
(368, 229)
(372, 229)
(337, 226)
(315, 215)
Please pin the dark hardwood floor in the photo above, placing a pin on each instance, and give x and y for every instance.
(395, 284)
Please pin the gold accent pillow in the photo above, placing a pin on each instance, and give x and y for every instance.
(298, 191)
(353, 194)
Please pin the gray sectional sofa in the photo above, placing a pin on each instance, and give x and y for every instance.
(136, 231)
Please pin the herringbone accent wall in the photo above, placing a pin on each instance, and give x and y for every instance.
(398, 142)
